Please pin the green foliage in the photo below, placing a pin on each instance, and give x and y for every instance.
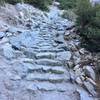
(10, 1)
(88, 24)
(2, 2)
(70, 15)
(42, 4)
(67, 4)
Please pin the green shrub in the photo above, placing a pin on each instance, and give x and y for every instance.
(88, 24)
(70, 15)
(42, 4)
(66, 4)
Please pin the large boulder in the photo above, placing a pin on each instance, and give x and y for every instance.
(25, 39)
(8, 51)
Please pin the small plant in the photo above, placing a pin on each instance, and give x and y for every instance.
(67, 4)
(42, 4)
(70, 15)
(88, 24)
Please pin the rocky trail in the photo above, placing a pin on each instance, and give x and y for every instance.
(36, 61)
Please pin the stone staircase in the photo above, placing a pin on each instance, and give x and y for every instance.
(47, 70)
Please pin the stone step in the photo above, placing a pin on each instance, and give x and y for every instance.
(53, 78)
(47, 69)
(48, 55)
(47, 86)
(44, 45)
(48, 62)
(49, 50)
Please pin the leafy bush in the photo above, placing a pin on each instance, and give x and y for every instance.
(10, 1)
(66, 4)
(88, 24)
(42, 4)
(70, 15)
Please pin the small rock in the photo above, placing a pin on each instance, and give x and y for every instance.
(84, 95)
(12, 30)
(59, 39)
(8, 51)
(2, 34)
(82, 51)
(48, 62)
(15, 42)
(31, 87)
(79, 81)
(90, 72)
(76, 67)
(11, 85)
(45, 55)
(90, 88)
(77, 60)
(64, 55)
(83, 78)
(55, 44)
(9, 34)
(15, 77)
(27, 60)
(92, 81)
(4, 40)
(78, 72)
(29, 53)
(70, 64)
(72, 75)
(56, 3)
(67, 33)
(46, 86)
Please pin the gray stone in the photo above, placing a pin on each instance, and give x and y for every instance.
(28, 52)
(48, 62)
(76, 60)
(64, 55)
(39, 77)
(72, 75)
(57, 78)
(78, 72)
(8, 51)
(9, 34)
(79, 81)
(15, 42)
(15, 77)
(46, 55)
(31, 87)
(90, 72)
(59, 39)
(90, 88)
(26, 39)
(47, 77)
(57, 70)
(84, 95)
(4, 40)
(70, 64)
(2, 34)
(67, 33)
(12, 30)
(38, 68)
(46, 86)
(82, 51)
